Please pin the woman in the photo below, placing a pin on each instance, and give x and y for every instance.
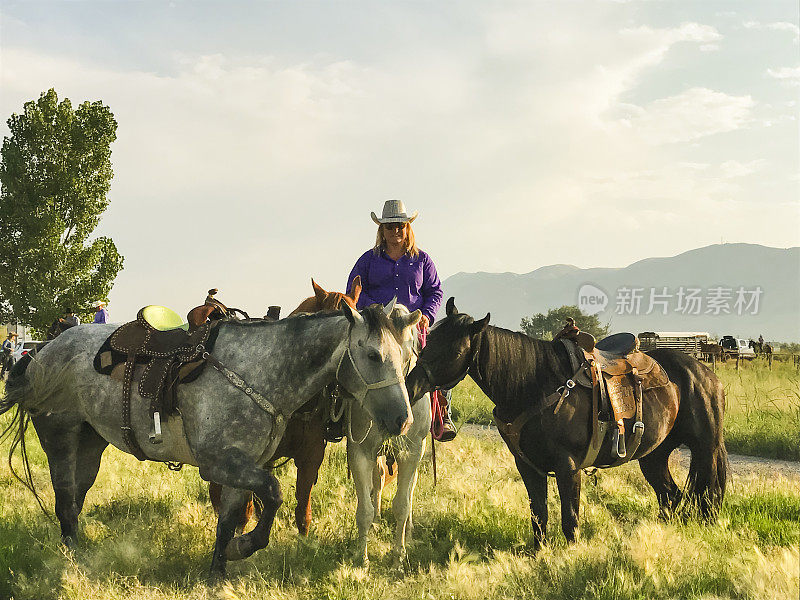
(395, 267)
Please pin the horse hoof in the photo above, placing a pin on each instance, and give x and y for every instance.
(237, 549)
(69, 541)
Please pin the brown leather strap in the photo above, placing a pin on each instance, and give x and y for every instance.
(127, 431)
(510, 432)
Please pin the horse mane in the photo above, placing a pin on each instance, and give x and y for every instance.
(518, 368)
(373, 315)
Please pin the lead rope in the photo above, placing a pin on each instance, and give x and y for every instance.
(436, 414)
(350, 425)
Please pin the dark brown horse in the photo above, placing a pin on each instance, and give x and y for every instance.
(304, 440)
(58, 327)
(517, 372)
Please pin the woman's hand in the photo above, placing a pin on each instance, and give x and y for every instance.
(423, 323)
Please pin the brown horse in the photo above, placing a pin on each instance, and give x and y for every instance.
(304, 440)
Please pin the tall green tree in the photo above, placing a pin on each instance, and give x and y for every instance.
(545, 326)
(55, 175)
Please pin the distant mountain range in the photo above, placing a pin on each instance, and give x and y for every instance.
(742, 290)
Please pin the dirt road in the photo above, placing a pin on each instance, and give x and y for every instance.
(740, 465)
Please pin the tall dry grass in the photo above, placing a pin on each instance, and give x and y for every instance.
(148, 532)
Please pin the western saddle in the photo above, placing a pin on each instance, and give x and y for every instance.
(160, 342)
(618, 374)
(161, 351)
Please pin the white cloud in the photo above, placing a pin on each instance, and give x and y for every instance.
(734, 168)
(775, 26)
(787, 75)
(688, 116)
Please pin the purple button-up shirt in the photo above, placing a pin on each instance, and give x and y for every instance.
(412, 279)
(101, 316)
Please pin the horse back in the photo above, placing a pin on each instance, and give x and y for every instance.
(701, 393)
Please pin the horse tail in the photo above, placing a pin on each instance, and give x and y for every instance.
(16, 391)
(708, 469)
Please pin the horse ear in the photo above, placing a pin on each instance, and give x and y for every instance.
(318, 291)
(451, 309)
(355, 288)
(387, 310)
(411, 319)
(478, 326)
(352, 315)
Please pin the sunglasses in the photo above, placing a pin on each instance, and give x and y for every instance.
(394, 226)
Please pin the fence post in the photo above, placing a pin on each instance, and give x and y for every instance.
(737, 363)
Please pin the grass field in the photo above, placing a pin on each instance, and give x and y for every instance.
(762, 414)
(148, 532)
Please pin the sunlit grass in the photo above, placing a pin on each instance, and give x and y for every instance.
(148, 533)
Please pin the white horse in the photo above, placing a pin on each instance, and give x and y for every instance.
(365, 442)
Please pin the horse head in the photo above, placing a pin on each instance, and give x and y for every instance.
(451, 347)
(371, 369)
(324, 300)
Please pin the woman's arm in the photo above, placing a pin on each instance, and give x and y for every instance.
(431, 289)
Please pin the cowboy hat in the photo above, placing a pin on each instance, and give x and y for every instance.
(99, 303)
(394, 211)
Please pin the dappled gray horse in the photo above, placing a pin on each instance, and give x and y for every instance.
(226, 432)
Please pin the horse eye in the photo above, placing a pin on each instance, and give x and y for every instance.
(374, 356)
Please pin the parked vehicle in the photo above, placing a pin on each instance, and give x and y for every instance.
(23, 348)
(734, 347)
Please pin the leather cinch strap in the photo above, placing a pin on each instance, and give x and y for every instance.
(511, 432)
(127, 431)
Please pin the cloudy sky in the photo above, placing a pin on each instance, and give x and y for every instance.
(255, 137)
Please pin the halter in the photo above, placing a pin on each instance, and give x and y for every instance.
(367, 387)
(451, 384)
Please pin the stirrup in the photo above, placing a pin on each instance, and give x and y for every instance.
(155, 432)
(618, 444)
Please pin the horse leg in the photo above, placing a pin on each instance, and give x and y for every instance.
(536, 484)
(232, 504)
(215, 495)
(361, 465)
(378, 482)
(233, 468)
(60, 442)
(569, 491)
(307, 473)
(407, 464)
(90, 452)
(655, 468)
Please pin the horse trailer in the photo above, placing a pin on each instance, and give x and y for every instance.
(686, 341)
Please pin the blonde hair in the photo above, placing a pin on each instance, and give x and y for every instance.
(410, 246)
